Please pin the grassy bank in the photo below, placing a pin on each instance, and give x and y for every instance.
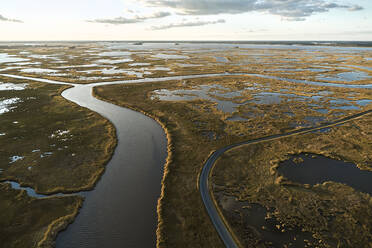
(51, 145)
(55, 141)
(31, 222)
(324, 215)
(196, 127)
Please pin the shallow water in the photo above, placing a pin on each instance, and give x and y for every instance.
(345, 104)
(363, 102)
(38, 70)
(115, 54)
(139, 64)
(129, 189)
(6, 105)
(356, 86)
(268, 98)
(321, 169)
(169, 56)
(188, 65)
(11, 86)
(221, 59)
(346, 76)
(113, 61)
(31, 192)
(361, 67)
(201, 92)
(322, 110)
(6, 58)
(255, 216)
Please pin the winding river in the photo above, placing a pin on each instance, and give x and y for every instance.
(121, 210)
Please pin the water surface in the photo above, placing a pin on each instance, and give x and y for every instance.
(321, 169)
(121, 210)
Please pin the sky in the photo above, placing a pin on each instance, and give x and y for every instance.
(186, 20)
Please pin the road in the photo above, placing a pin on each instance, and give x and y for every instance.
(84, 91)
(217, 220)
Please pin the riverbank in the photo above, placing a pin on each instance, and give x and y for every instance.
(96, 94)
(30, 222)
(48, 146)
(186, 122)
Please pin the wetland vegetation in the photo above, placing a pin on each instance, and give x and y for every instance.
(52, 146)
(269, 91)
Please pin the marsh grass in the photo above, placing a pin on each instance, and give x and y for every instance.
(335, 214)
(184, 223)
(57, 140)
(31, 222)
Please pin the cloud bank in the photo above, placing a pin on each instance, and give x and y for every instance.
(135, 19)
(187, 24)
(2, 18)
(288, 9)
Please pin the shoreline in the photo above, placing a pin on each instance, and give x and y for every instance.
(159, 237)
(274, 164)
(109, 152)
(58, 226)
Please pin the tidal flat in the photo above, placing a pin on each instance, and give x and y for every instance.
(259, 91)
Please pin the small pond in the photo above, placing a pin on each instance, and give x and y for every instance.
(319, 169)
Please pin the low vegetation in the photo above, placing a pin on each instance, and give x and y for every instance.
(30, 222)
(51, 144)
(324, 215)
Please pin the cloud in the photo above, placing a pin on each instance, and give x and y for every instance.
(295, 10)
(261, 30)
(356, 8)
(187, 24)
(135, 19)
(2, 18)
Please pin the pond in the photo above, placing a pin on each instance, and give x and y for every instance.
(319, 169)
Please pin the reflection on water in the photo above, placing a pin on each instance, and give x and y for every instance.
(204, 92)
(254, 217)
(346, 76)
(363, 102)
(130, 187)
(38, 70)
(343, 104)
(6, 58)
(340, 85)
(321, 169)
(115, 54)
(169, 56)
(28, 190)
(221, 59)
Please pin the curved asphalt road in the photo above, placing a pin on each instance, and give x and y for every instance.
(211, 208)
(216, 219)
